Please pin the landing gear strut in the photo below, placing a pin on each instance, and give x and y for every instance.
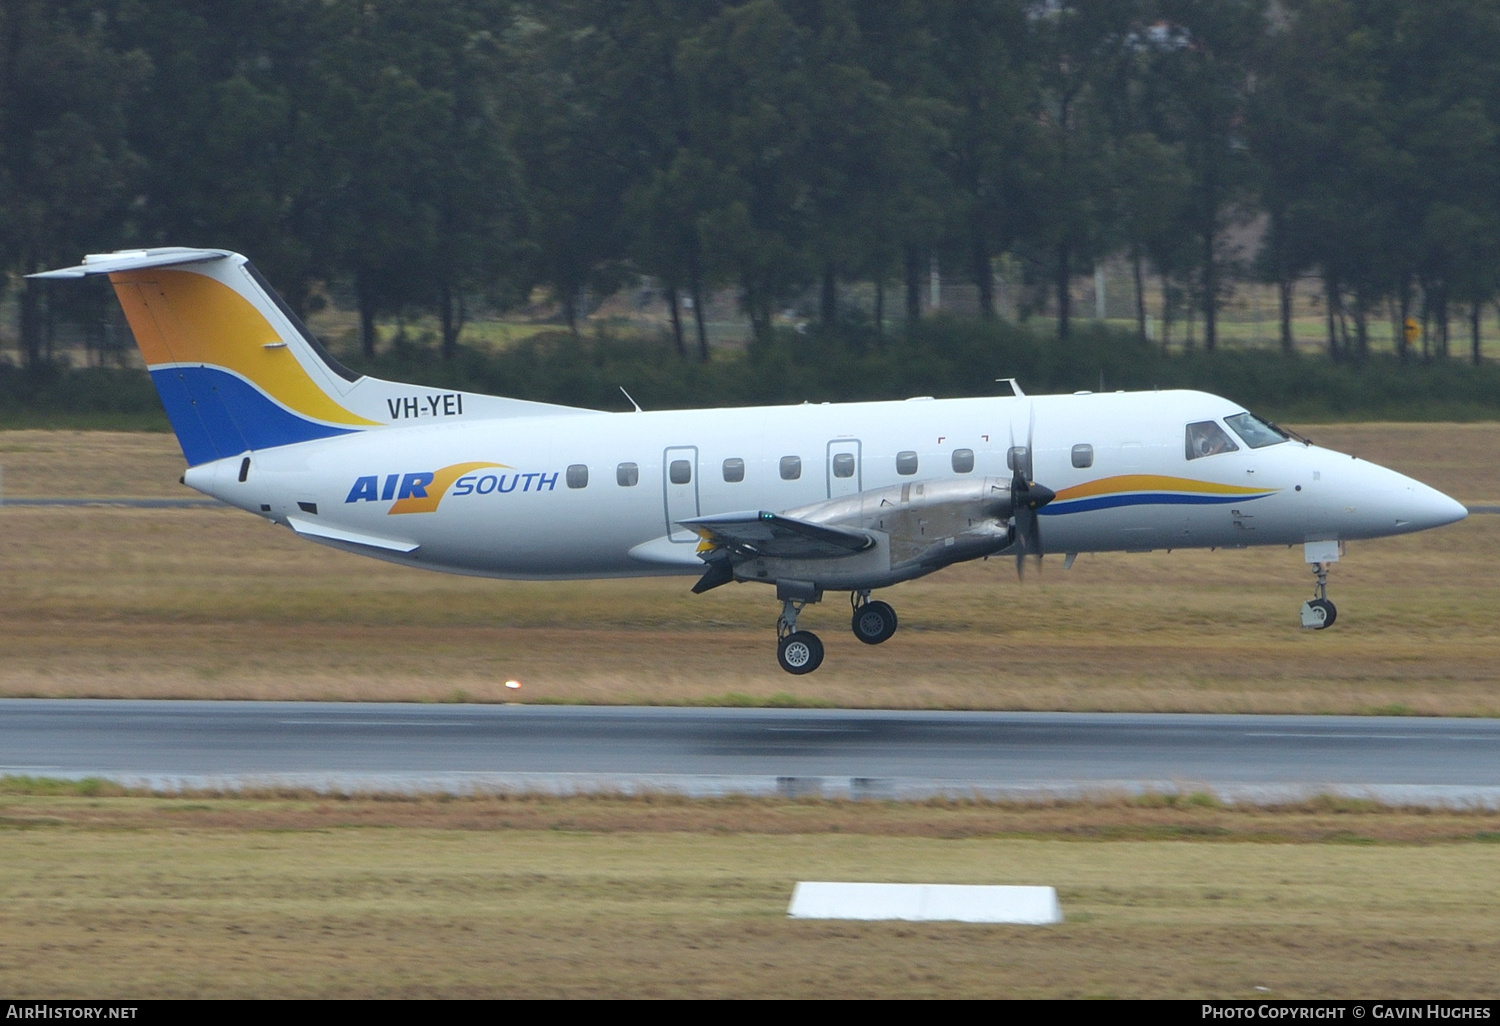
(801, 652)
(873, 622)
(797, 651)
(1319, 613)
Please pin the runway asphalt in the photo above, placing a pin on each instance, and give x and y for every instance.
(694, 751)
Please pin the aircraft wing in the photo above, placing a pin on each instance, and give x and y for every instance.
(760, 533)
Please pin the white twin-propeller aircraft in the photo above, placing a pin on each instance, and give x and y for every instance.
(811, 498)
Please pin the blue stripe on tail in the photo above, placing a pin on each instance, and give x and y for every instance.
(216, 414)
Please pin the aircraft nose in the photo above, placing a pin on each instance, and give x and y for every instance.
(1381, 502)
(1426, 507)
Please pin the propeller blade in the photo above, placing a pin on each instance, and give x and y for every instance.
(1026, 498)
(1024, 517)
(1030, 432)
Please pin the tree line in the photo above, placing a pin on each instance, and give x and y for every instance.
(436, 155)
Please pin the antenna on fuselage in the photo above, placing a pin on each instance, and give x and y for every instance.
(632, 401)
(1015, 387)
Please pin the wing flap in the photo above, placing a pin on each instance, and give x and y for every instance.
(774, 536)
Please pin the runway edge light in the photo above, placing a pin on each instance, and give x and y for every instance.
(961, 903)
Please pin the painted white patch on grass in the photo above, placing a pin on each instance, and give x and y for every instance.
(962, 903)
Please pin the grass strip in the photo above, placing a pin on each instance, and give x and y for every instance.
(300, 895)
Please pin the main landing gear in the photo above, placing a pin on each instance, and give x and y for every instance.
(801, 652)
(873, 622)
(1318, 612)
(797, 651)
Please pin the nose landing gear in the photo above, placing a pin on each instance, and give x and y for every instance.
(1319, 613)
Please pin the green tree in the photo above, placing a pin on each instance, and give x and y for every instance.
(670, 184)
(571, 143)
(907, 46)
(1084, 48)
(984, 75)
(66, 166)
(236, 154)
(747, 80)
(424, 208)
(1202, 75)
(1151, 184)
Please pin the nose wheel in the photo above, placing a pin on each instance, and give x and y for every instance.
(1318, 613)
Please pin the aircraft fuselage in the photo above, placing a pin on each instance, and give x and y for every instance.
(602, 494)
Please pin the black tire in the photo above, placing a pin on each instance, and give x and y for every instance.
(874, 622)
(800, 652)
(1330, 614)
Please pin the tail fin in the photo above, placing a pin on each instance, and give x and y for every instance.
(238, 371)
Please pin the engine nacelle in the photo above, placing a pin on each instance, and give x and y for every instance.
(918, 527)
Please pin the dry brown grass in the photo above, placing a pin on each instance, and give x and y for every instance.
(88, 464)
(213, 603)
(98, 805)
(199, 896)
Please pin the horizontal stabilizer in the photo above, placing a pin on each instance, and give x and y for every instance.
(135, 260)
(773, 536)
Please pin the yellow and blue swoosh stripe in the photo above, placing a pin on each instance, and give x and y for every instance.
(1147, 490)
(224, 390)
(442, 480)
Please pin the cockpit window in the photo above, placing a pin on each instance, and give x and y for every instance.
(1257, 433)
(1206, 438)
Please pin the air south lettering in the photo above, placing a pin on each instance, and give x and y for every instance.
(502, 484)
(422, 491)
(412, 407)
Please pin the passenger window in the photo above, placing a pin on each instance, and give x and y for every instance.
(791, 468)
(1017, 456)
(1083, 456)
(843, 464)
(963, 461)
(906, 463)
(627, 475)
(680, 472)
(734, 470)
(1206, 438)
(578, 476)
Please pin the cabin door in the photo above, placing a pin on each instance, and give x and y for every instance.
(845, 474)
(679, 476)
